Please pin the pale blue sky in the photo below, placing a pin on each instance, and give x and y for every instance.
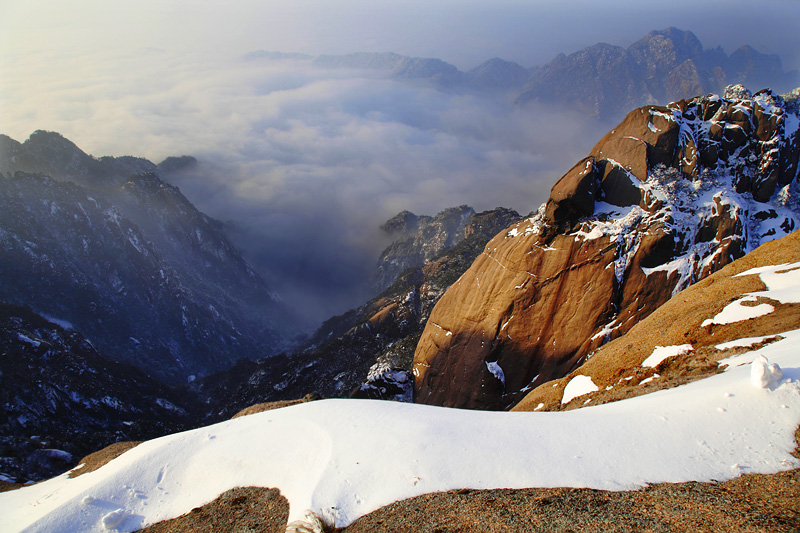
(464, 32)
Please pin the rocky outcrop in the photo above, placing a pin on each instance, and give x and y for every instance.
(418, 239)
(669, 196)
(684, 325)
(108, 246)
(366, 352)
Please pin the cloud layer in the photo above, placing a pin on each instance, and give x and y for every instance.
(303, 164)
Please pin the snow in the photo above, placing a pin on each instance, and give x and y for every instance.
(660, 353)
(647, 380)
(783, 285)
(59, 322)
(764, 374)
(346, 458)
(113, 519)
(782, 281)
(578, 386)
(28, 340)
(496, 371)
(736, 312)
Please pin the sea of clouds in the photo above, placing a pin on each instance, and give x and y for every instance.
(303, 164)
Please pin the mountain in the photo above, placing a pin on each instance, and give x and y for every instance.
(669, 196)
(61, 399)
(601, 80)
(111, 248)
(498, 75)
(338, 460)
(418, 239)
(432, 69)
(439, 72)
(606, 80)
(367, 351)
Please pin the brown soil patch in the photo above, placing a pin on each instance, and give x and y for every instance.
(268, 406)
(239, 510)
(95, 460)
(751, 503)
(6, 486)
(680, 321)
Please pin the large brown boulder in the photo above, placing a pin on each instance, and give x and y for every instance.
(549, 290)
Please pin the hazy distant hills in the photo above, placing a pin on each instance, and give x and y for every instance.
(108, 247)
(601, 80)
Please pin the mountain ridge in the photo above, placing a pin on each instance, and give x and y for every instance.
(107, 245)
(601, 80)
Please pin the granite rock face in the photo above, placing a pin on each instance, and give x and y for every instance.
(668, 197)
(366, 352)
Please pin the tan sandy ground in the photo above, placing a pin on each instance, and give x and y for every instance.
(95, 460)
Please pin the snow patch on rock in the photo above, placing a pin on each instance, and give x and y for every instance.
(661, 353)
(578, 386)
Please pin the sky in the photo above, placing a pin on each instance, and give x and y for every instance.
(302, 164)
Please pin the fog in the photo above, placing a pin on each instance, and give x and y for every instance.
(303, 164)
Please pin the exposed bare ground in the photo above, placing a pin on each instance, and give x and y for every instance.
(268, 406)
(5, 486)
(95, 460)
(239, 510)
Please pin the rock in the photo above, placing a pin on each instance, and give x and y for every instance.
(548, 291)
(573, 196)
(366, 352)
(671, 347)
(419, 239)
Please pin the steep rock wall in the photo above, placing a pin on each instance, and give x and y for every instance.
(668, 197)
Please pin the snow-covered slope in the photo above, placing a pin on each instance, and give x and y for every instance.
(344, 458)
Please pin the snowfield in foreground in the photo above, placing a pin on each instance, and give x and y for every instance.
(345, 458)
